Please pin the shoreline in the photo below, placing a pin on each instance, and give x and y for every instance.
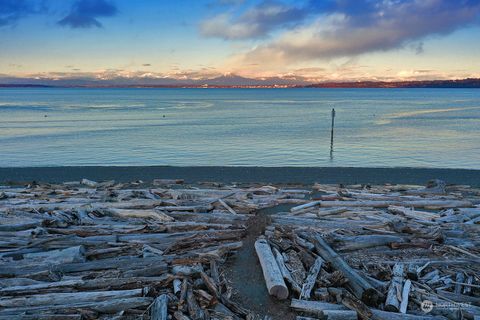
(303, 175)
(238, 251)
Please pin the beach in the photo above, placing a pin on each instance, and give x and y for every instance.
(300, 175)
(200, 243)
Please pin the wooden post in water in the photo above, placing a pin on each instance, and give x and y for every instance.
(331, 134)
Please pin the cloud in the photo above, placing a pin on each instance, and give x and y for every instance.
(13, 10)
(419, 48)
(346, 28)
(255, 22)
(224, 3)
(85, 13)
(229, 2)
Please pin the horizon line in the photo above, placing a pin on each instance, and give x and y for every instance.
(439, 83)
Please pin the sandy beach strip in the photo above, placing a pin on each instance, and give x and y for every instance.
(304, 175)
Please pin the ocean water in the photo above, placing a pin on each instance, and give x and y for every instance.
(240, 127)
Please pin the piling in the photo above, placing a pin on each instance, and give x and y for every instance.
(331, 133)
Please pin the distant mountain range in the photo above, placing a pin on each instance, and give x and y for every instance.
(229, 81)
(464, 83)
(221, 81)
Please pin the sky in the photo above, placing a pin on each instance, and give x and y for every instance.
(303, 40)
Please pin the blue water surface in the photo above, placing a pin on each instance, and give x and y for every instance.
(240, 127)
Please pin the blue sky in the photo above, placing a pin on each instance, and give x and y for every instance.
(187, 39)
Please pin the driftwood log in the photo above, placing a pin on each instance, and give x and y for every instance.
(394, 294)
(361, 288)
(271, 272)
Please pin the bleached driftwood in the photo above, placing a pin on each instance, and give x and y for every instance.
(271, 272)
(386, 204)
(414, 214)
(146, 214)
(159, 309)
(311, 278)
(360, 286)
(108, 306)
(285, 272)
(89, 183)
(405, 294)
(62, 298)
(395, 289)
(324, 309)
(68, 255)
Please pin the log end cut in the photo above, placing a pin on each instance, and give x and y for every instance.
(279, 291)
(372, 297)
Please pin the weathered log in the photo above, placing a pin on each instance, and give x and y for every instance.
(187, 270)
(45, 317)
(205, 299)
(135, 213)
(61, 298)
(226, 206)
(305, 206)
(413, 214)
(334, 211)
(89, 183)
(193, 208)
(394, 294)
(285, 272)
(351, 302)
(222, 312)
(323, 309)
(68, 255)
(20, 226)
(361, 288)
(93, 284)
(340, 314)
(314, 306)
(159, 309)
(210, 284)
(461, 298)
(124, 264)
(311, 278)
(110, 306)
(352, 243)
(177, 286)
(460, 277)
(194, 309)
(218, 252)
(386, 204)
(271, 272)
(435, 186)
(468, 289)
(383, 315)
(405, 293)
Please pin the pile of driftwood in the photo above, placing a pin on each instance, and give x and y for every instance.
(377, 252)
(88, 250)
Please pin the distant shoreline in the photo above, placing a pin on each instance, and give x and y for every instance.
(301, 175)
(433, 84)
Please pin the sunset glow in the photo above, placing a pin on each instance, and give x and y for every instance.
(301, 41)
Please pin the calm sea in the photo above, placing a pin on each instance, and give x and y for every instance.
(240, 127)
